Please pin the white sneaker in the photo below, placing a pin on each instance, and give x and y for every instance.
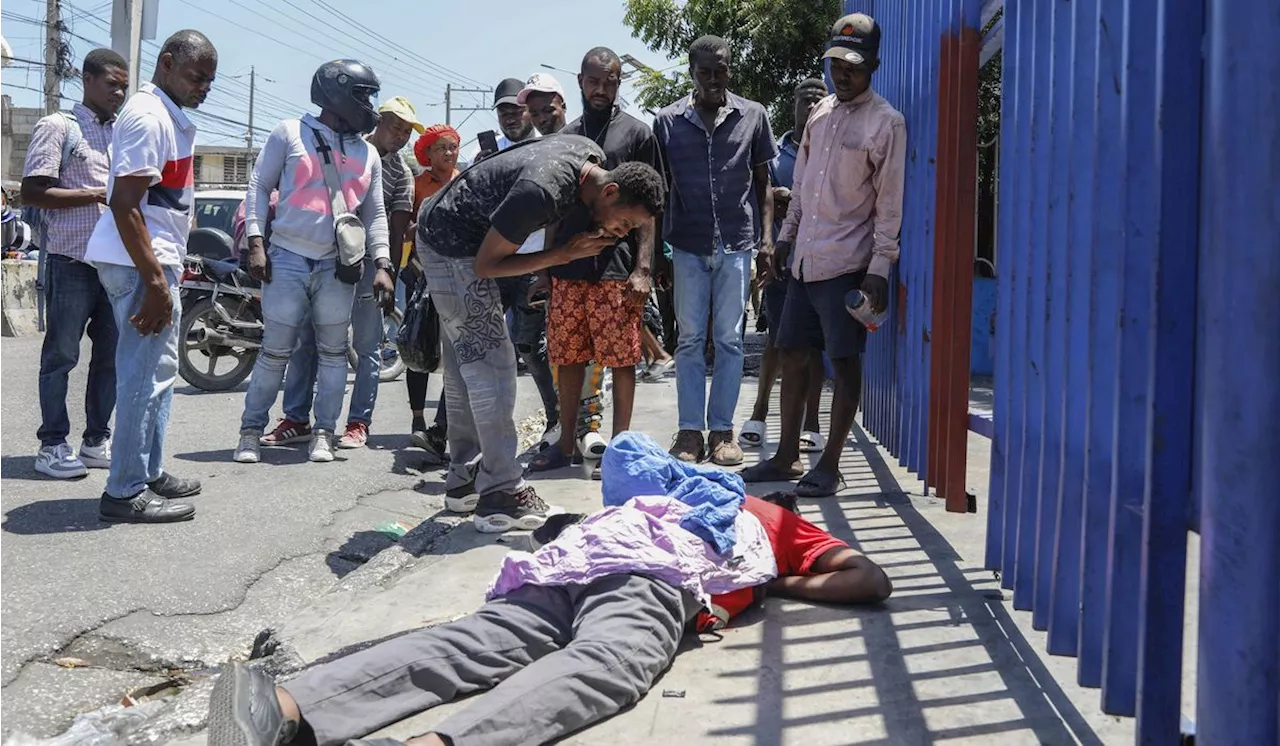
(593, 445)
(249, 450)
(321, 446)
(96, 457)
(60, 462)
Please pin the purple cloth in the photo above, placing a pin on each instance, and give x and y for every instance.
(643, 537)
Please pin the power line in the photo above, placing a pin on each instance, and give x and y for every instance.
(378, 56)
(393, 45)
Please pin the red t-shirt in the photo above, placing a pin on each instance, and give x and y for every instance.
(796, 543)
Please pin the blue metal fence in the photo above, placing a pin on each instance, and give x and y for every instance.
(1137, 361)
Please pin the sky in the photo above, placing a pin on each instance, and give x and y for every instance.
(416, 48)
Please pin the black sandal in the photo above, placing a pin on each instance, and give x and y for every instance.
(766, 471)
(550, 460)
(820, 484)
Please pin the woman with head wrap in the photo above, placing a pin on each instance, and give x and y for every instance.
(437, 152)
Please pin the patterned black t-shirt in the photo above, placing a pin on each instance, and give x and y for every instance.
(518, 191)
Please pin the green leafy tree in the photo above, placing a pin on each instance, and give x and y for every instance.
(775, 44)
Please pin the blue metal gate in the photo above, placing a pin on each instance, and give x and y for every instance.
(1137, 369)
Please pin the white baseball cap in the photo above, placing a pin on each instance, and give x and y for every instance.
(539, 83)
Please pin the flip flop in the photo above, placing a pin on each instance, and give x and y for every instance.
(812, 442)
(752, 435)
(765, 471)
(593, 445)
(657, 372)
(819, 484)
(550, 460)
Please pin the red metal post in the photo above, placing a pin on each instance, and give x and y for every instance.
(953, 265)
(944, 205)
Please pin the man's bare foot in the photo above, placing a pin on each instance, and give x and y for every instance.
(430, 739)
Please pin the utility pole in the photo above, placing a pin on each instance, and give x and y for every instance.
(449, 108)
(248, 135)
(127, 35)
(52, 54)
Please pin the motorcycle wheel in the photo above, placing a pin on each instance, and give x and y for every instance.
(392, 364)
(198, 359)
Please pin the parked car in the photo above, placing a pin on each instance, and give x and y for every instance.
(215, 211)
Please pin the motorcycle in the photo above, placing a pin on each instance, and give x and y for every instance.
(222, 322)
(221, 331)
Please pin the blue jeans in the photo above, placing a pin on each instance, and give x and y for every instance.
(714, 286)
(75, 298)
(366, 337)
(303, 292)
(146, 368)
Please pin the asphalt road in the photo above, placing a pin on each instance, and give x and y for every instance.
(94, 610)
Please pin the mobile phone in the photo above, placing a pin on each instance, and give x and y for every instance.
(488, 142)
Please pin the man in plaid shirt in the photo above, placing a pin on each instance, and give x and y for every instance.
(66, 177)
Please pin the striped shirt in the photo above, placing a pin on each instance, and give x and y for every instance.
(397, 184)
(88, 168)
(846, 197)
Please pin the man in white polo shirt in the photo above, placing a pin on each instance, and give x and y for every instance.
(138, 247)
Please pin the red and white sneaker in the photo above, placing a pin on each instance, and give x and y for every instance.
(356, 436)
(286, 433)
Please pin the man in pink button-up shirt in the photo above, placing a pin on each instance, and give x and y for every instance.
(840, 234)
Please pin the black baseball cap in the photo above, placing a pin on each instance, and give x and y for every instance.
(507, 91)
(855, 38)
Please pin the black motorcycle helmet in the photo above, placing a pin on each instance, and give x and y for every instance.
(347, 88)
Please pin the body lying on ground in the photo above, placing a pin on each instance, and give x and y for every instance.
(572, 634)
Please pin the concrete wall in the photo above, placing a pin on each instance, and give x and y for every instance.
(17, 125)
(18, 307)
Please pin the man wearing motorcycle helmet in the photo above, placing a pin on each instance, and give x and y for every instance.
(312, 270)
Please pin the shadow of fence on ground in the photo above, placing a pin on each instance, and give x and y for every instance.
(941, 660)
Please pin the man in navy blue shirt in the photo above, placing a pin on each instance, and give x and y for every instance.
(718, 147)
(807, 95)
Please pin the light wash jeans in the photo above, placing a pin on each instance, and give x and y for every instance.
(366, 337)
(479, 366)
(146, 368)
(302, 292)
(714, 286)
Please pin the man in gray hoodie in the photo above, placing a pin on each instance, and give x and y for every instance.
(301, 284)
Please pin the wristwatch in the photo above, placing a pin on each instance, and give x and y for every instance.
(382, 263)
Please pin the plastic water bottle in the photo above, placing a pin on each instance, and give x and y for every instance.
(859, 307)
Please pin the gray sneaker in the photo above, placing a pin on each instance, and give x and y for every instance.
(60, 462)
(521, 510)
(249, 450)
(321, 446)
(96, 457)
(245, 711)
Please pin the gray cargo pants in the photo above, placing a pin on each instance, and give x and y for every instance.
(479, 367)
(557, 658)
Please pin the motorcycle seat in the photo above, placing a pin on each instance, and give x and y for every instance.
(228, 272)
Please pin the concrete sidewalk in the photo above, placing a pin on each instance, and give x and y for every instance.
(945, 660)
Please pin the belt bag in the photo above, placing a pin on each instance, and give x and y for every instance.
(348, 228)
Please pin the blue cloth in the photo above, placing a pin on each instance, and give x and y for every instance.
(635, 465)
(713, 199)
